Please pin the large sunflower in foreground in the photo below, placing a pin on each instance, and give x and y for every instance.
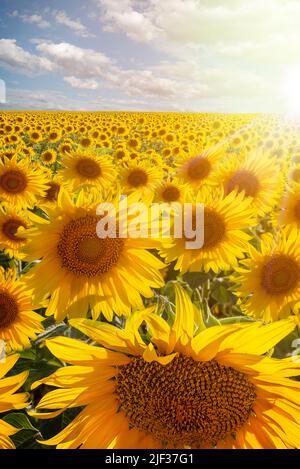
(18, 322)
(180, 390)
(20, 184)
(270, 278)
(9, 399)
(82, 270)
(225, 239)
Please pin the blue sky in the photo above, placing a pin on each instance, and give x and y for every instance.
(171, 55)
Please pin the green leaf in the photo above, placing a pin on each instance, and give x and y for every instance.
(19, 420)
(209, 319)
(221, 294)
(26, 439)
(235, 320)
(195, 279)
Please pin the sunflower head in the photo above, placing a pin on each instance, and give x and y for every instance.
(86, 168)
(186, 386)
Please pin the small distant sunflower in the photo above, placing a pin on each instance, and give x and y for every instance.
(170, 191)
(54, 135)
(10, 221)
(66, 146)
(36, 136)
(20, 183)
(54, 186)
(9, 399)
(225, 239)
(213, 388)
(121, 154)
(18, 322)
(87, 168)
(140, 178)
(106, 274)
(270, 278)
(198, 167)
(49, 156)
(258, 177)
(87, 141)
(8, 152)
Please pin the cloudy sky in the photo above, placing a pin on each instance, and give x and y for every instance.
(164, 55)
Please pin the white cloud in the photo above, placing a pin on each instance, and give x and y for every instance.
(81, 83)
(15, 57)
(88, 64)
(177, 83)
(76, 61)
(267, 31)
(121, 16)
(36, 19)
(31, 19)
(62, 18)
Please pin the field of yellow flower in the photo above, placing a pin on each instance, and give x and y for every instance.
(145, 341)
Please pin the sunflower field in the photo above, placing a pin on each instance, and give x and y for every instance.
(142, 342)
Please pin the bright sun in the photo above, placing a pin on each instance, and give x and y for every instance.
(290, 90)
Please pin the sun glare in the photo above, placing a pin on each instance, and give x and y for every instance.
(290, 90)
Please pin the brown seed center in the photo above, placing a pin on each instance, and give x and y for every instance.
(185, 402)
(280, 275)
(53, 191)
(13, 181)
(10, 228)
(171, 194)
(198, 168)
(137, 178)
(88, 168)
(214, 228)
(243, 181)
(8, 309)
(83, 253)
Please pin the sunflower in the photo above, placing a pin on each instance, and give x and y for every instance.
(20, 184)
(289, 214)
(295, 173)
(87, 168)
(170, 191)
(198, 166)
(270, 278)
(225, 240)
(9, 399)
(66, 146)
(213, 388)
(107, 274)
(54, 135)
(54, 186)
(49, 156)
(258, 176)
(18, 322)
(35, 136)
(140, 178)
(10, 221)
